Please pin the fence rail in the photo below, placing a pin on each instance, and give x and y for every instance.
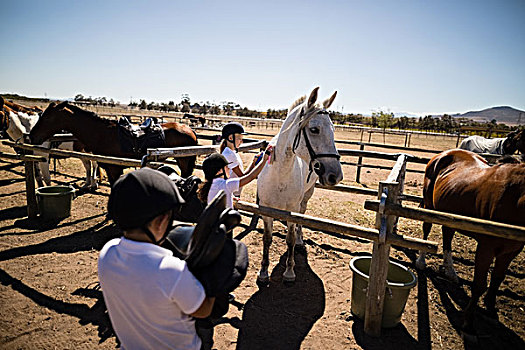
(459, 222)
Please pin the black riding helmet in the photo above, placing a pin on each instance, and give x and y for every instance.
(141, 195)
(232, 128)
(212, 164)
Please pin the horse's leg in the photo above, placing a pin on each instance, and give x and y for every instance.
(498, 275)
(289, 274)
(263, 276)
(89, 179)
(448, 263)
(421, 264)
(186, 165)
(484, 257)
(95, 174)
(302, 209)
(113, 173)
(42, 169)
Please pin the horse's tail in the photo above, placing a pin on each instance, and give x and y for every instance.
(432, 171)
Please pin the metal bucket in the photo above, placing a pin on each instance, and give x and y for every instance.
(400, 281)
(54, 202)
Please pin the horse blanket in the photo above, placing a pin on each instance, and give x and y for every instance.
(478, 144)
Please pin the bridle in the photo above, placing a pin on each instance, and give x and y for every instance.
(313, 155)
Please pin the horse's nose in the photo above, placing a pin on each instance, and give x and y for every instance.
(332, 179)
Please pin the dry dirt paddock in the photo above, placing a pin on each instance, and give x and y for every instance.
(49, 296)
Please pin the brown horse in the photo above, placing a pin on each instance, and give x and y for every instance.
(461, 182)
(100, 135)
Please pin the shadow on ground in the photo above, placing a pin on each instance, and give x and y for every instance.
(92, 238)
(280, 315)
(96, 315)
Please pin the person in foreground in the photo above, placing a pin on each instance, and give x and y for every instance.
(217, 177)
(151, 295)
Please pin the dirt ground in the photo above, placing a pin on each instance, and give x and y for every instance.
(50, 298)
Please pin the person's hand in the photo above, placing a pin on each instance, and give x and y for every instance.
(268, 152)
(257, 158)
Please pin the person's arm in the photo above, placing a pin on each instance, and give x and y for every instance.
(254, 161)
(205, 309)
(237, 170)
(257, 170)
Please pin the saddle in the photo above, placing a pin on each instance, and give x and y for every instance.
(217, 260)
(192, 209)
(137, 139)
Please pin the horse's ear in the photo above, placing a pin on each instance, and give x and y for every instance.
(52, 105)
(62, 104)
(312, 98)
(512, 134)
(328, 102)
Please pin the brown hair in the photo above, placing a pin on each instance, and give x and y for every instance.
(204, 189)
(222, 146)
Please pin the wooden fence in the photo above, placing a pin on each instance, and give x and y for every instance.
(388, 207)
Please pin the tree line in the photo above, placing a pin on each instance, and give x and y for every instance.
(385, 120)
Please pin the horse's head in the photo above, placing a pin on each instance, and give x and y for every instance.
(519, 140)
(314, 139)
(52, 121)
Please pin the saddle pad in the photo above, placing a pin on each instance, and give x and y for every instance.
(135, 139)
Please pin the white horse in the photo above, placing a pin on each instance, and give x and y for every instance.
(479, 144)
(304, 151)
(21, 123)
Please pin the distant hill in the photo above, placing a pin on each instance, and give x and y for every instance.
(503, 114)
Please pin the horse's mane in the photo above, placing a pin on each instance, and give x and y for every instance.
(93, 115)
(297, 103)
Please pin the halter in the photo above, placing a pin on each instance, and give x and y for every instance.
(311, 151)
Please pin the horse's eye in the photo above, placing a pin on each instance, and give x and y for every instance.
(314, 130)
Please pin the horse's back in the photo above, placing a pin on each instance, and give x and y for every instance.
(178, 134)
(460, 183)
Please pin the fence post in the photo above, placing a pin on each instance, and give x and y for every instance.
(359, 165)
(379, 266)
(32, 206)
(389, 192)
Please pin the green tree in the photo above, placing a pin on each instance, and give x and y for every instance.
(384, 120)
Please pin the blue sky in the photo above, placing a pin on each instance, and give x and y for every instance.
(417, 57)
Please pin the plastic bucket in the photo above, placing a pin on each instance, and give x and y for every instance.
(54, 202)
(400, 281)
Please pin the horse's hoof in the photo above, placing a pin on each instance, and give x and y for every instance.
(300, 248)
(449, 273)
(263, 278)
(491, 315)
(469, 336)
(289, 277)
(421, 264)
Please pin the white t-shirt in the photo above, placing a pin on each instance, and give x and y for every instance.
(228, 186)
(149, 294)
(235, 161)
